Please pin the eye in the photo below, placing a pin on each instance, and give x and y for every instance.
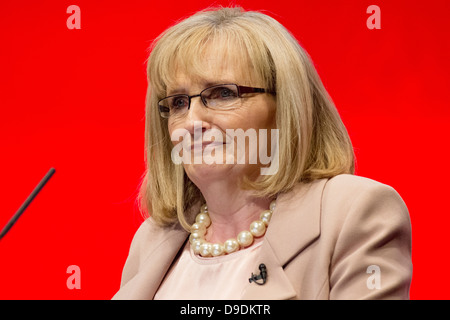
(179, 102)
(225, 93)
(222, 93)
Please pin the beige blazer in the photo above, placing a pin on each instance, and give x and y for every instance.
(342, 238)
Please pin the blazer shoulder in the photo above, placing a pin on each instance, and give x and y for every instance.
(150, 234)
(349, 181)
(349, 188)
(366, 223)
(149, 238)
(146, 234)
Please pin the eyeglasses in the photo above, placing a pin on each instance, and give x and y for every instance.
(219, 97)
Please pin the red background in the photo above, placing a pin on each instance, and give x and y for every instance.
(74, 100)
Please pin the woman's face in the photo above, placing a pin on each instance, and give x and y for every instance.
(236, 130)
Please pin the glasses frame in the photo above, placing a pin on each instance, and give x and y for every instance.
(240, 89)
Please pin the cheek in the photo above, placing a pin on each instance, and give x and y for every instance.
(258, 116)
(172, 128)
(270, 119)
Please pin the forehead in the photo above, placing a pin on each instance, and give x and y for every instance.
(216, 63)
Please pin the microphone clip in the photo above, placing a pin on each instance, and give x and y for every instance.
(261, 278)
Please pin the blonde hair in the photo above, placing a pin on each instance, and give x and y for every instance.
(313, 141)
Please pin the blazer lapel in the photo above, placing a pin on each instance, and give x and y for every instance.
(277, 287)
(294, 225)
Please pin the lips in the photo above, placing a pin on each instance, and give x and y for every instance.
(205, 144)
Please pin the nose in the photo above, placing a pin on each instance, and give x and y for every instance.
(197, 116)
(196, 106)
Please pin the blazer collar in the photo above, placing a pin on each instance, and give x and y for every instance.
(295, 221)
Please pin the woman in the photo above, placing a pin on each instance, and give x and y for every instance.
(306, 228)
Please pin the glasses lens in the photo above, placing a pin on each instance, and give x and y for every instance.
(221, 96)
(164, 111)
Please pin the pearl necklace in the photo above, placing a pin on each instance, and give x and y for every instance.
(244, 238)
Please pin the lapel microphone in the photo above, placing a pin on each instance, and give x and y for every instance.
(27, 202)
(261, 276)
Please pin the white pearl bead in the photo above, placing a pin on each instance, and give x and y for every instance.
(231, 245)
(204, 219)
(204, 208)
(217, 249)
(245, 238)
(205, 249)
(266, 216)
(195, 236)
(272, 206)
(196, 244)
(199, 228)
(257, 228)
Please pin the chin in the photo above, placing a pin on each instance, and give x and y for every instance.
(208, 173)
(205, 172)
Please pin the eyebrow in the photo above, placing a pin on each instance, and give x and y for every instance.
(178, 90)
(206, 84)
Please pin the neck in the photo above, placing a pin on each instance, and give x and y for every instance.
(231, 209)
